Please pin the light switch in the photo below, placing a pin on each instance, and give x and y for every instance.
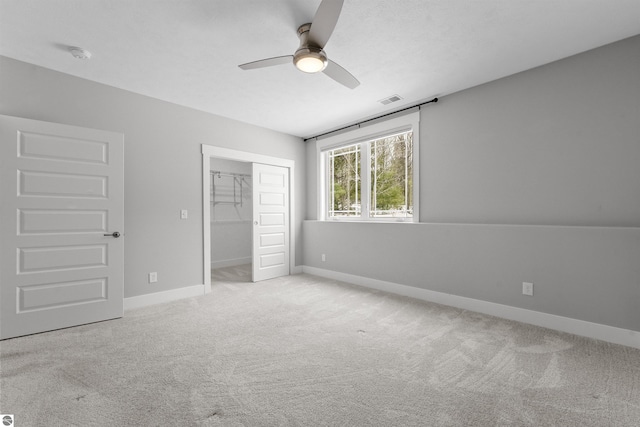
(184, 214)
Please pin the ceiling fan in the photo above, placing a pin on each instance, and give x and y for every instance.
(310, 56)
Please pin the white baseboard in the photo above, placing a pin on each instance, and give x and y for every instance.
(564, 324)
(230, 262)
(165, 296)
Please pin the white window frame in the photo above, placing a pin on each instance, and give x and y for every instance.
(373, 131)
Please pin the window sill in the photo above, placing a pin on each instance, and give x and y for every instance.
(372, 221)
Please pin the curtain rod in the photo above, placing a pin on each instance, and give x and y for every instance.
(369, 120)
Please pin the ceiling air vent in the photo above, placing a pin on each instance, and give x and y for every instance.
(390, 99)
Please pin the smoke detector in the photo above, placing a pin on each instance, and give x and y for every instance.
(80, 53)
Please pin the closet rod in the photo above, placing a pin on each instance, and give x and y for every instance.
(233, 174)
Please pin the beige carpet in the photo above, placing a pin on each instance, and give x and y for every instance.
(306, 351)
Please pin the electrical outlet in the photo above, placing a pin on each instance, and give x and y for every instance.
(184, 214)
(527, 288)
(324, 258)
(153, 277)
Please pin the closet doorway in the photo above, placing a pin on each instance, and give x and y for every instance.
(247, 197)
(231, 210)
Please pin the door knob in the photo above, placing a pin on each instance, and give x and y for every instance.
(255, 222)
(115, 234)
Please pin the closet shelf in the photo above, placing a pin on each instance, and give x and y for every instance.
(226, 203)
(234, 191)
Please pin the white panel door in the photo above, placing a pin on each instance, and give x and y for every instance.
(62, 201)
(270, 221)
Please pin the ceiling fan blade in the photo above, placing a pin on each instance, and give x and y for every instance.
(269, 62)
(324, 22)
(341, 75)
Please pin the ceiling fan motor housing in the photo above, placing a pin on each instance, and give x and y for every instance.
(309, 58)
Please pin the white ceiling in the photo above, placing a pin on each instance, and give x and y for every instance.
(187, 51)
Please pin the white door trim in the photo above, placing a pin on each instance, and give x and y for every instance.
(209, 151)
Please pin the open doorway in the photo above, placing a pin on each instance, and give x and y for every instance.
(231, 220)
(214, 154)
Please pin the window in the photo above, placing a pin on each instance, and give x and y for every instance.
(391, 176)
(344, 182)
(370, 174)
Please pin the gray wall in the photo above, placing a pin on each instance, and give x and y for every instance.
(557, 145)
(163, 166)
(534, 177)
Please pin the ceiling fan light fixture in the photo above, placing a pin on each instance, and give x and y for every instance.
(310, 60)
